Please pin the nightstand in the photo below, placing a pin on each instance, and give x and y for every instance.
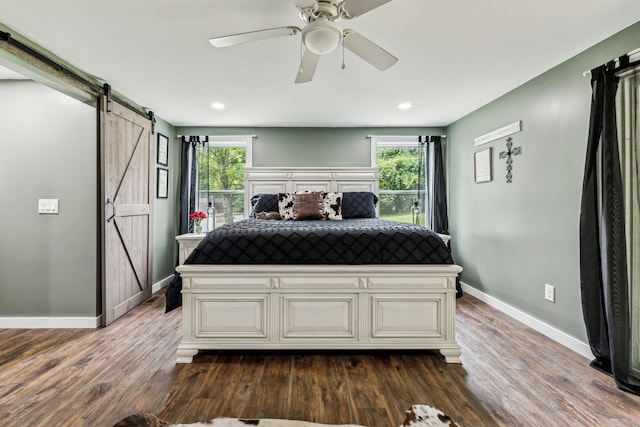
(186, 244)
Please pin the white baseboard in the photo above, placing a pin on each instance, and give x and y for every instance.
(161, 284)
(50, 322)
(64, 322)
(549, 331)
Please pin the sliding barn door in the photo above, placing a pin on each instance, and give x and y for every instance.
(127, 189)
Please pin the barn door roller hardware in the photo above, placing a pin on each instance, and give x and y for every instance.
(152, 117)
(106, 88)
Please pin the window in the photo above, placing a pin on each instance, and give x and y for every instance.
(399, 159)
(220, 178)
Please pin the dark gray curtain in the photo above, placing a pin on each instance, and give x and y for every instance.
(188, 181)
(439, 198)
(432, 188)
(603, 261)
(436, 216)
(184, 186)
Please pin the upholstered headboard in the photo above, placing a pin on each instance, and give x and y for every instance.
(287, 180)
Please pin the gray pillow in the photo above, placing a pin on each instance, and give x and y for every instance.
(263, 203)
(359, 204)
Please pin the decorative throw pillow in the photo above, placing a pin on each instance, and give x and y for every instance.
(263, 203)
(285, 205)
(332, 206)
(307, 206)
(359, 204)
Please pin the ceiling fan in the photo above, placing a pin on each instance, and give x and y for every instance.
(321, 34)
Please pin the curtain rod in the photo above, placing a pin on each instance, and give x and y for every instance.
(633, 62)
(222, 136)
(398, 136)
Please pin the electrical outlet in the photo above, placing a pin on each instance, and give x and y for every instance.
(549, 292)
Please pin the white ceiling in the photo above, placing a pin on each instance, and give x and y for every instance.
(7, 74)
(454, 55)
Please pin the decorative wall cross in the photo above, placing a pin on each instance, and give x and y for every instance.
(510, 152)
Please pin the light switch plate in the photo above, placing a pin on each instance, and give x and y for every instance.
(48, 206)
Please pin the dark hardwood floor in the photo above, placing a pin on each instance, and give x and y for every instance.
(510, 375)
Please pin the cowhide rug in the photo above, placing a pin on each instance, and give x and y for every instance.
(416, 416)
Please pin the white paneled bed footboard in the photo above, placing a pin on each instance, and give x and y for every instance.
(265, 307)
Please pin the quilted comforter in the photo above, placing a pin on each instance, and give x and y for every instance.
(350, 241)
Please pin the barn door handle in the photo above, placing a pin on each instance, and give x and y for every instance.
(113, 212)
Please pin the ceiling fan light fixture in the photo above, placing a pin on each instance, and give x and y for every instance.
(321, 36)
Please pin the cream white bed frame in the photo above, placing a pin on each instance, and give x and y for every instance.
(309, 307)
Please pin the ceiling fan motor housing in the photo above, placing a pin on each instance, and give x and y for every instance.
(321, 36)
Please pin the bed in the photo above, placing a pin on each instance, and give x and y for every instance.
(318, 283)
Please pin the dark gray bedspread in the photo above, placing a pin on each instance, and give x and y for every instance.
(350, 241)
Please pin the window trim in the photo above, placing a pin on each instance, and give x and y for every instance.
(390, 141)
(228, 141)
(221, 141)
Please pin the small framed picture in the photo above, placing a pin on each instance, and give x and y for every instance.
(162, 180)
(163, 150)
(482, 165)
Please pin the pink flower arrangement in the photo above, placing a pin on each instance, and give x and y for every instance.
(198, 216)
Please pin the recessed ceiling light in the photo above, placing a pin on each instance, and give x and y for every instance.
(404, 106)
(218, 106)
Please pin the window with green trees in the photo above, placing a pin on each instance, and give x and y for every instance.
(220, 181)
(399, 169)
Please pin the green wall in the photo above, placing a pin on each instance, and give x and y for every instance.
(305, 147)
(165, 217)
(48, 263)
(513, 238)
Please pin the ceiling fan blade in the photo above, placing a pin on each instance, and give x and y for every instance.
(355, 8)
(253, 36)
(368, 50)
(307, 67)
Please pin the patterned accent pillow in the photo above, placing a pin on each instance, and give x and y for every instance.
(359, 204)
(332, 206)
(285, 205)
(307, 206)
(263, 203)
